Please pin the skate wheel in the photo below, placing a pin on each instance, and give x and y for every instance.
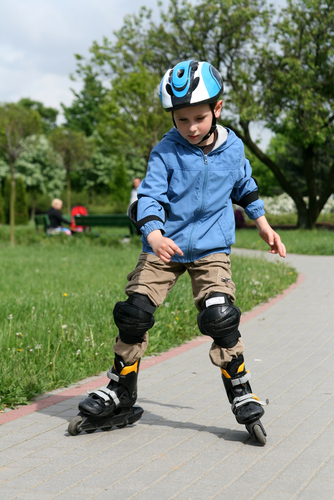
(74, 427)
(259, 435)
(90, 431)
(121, 426)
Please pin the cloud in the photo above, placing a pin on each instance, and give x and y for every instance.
(38, 40)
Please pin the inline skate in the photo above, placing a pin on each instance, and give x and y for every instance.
(246, 407)
(110, 406)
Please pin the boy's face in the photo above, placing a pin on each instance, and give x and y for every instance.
(194, 122)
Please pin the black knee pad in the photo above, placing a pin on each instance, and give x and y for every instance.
(134, 317)
(220, 320)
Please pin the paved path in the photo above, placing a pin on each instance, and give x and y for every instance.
(188, 446)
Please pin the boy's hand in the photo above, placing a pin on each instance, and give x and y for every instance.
(164, 248)
(270, 236)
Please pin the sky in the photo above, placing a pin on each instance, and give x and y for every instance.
(38, 40)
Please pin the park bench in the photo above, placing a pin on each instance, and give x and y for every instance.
(44, 221)
(114, 220)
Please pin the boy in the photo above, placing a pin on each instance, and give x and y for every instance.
(186, 218)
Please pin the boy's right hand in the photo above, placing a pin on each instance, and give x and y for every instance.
(164, 248)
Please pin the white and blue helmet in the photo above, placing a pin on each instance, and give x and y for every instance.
(190, 83)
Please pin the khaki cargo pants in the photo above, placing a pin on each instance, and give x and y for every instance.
(154, 278)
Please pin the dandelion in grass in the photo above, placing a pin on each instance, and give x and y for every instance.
(64, 327)
(65, 294)
(19, 335)
(78, 352)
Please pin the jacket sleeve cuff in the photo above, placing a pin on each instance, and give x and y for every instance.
(147, 228)
(255, 210)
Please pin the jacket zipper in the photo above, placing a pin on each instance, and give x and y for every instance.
(201, 209)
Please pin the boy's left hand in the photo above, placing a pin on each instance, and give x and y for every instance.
(270, 236)
(274, 241)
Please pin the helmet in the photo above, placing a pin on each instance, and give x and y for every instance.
(190, 83)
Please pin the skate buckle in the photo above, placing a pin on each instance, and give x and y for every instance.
(241, 380)
(247, 398)
(112, 376)
(107, 395)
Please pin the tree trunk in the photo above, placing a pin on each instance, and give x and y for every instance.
(304, 221)
(12, 205)
(68, 191)
(312, 210)
(33, 207)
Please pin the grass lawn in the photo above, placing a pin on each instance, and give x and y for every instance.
(57, 297)
(315, 242)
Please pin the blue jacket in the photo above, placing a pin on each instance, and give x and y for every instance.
(188, 194)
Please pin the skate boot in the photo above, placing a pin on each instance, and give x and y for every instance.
(246, 407)
(110, 406)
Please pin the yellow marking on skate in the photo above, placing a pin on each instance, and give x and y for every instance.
(129, 369)
(241, 367)
(225, 373)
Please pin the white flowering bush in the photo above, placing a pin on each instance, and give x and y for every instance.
(284, 204)
(329, 207)
(279, 205)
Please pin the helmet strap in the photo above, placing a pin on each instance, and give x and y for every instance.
(212, 129)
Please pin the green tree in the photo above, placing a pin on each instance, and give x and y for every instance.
(6, 199)
(2, 208)
(132, 114)
(85, 110)
(299, 100)
(75, 150)
(21, 203)
(120, 187)
(267, 182)
(278, 73)
(16, 123)
(42, 169)
(48, 115)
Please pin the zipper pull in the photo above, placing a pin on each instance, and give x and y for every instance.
(205, 159)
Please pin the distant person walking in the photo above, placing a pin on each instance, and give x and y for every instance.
(56, 218)
(133, 197)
